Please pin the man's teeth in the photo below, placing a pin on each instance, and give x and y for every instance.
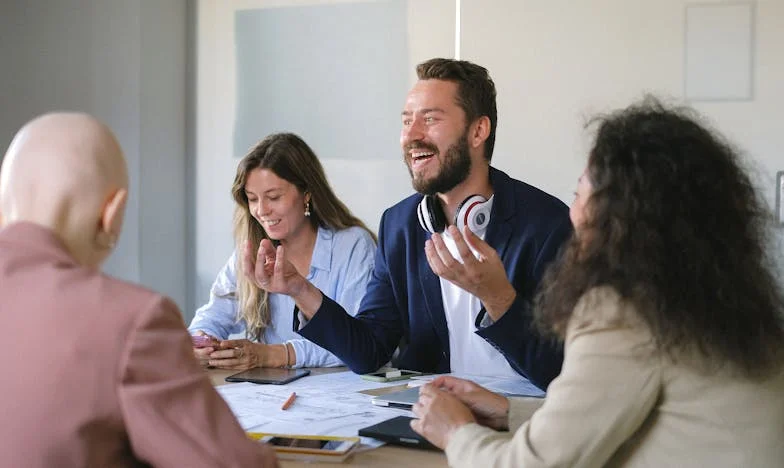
(421, 154)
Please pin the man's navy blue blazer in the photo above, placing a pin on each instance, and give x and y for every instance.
(403, 306)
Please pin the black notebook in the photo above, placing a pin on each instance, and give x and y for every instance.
(397, 431)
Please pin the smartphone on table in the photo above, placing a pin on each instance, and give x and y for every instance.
(308, 447)
(390, 375)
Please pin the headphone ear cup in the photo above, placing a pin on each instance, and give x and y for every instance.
(474, 213)
(424, 216)
(437, 215)
(430, 215)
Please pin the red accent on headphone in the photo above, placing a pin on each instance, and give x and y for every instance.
(471, 207)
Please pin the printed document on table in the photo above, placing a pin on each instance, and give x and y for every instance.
(326, 404)
(503, 385)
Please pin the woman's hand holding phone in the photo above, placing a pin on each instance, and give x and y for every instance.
(237, 354)
(203, 340)
(203, 346)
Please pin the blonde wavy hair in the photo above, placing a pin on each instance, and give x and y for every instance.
(291, 159)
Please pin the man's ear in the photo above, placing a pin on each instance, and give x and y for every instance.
(112, 215)
(479, 132)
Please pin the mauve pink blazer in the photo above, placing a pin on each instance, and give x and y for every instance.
(99, 372)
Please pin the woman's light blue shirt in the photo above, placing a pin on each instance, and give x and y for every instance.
(341, 266)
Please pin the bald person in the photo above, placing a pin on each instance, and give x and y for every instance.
(98, 372)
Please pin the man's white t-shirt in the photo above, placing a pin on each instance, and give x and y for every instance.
(469, 353)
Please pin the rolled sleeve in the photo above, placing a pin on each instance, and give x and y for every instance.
(310, 354)
(521, 409)
(218, 317)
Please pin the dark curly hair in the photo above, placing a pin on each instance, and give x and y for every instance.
(676, 227)
(475, 91)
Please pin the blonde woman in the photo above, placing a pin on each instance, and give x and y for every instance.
(283, 198)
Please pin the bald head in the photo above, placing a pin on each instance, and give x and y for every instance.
(64, 171)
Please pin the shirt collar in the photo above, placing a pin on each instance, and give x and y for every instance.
(322, 251)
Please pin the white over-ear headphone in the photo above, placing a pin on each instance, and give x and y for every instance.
(473, 212)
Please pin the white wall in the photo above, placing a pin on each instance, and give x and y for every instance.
(124, 62)
(557, 62)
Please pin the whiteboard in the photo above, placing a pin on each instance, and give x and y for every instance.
(719, 51)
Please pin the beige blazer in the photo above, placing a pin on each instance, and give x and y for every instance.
(619, 403)
(98, 372)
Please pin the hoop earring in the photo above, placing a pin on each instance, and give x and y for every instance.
(307, 208)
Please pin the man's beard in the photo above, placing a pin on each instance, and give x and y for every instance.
(454, 170)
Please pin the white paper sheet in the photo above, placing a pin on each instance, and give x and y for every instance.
(504, 385)
(326, 404)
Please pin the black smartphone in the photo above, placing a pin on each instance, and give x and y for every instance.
(268, 375)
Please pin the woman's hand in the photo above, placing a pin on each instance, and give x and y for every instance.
(270, 270)
(490, 409)
(440, 415)
(237, 354)
(203, 353)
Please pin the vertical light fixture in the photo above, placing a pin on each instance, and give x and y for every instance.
(780, 197)
(457, 29)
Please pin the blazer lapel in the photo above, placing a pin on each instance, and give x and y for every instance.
(499, 231)
(431, 290)
(498, 235)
